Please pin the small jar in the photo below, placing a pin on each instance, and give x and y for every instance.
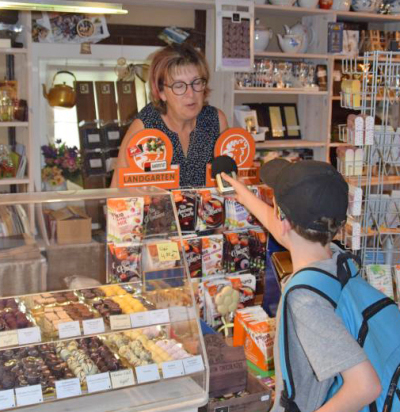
(325, 4)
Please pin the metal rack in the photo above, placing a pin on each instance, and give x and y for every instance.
(373, 230)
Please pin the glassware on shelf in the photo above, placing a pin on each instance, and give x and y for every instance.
(7, 168)
(6, 107)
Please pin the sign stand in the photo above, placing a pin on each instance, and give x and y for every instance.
(238, 144)
(149, 155)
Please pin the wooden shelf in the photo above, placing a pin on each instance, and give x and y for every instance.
(375, 180)
(291, 55)
(293, 11)
(287, 11)
(338, 144)
(276, 91)
(293, 143)
(13, 50)
(366, 17)
(13, 181)
(14, 124)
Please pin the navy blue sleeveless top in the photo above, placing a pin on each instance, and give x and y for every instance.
(201, 145)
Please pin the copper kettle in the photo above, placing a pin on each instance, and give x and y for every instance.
(60, 95)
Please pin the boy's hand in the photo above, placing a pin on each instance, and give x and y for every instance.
(242, 192)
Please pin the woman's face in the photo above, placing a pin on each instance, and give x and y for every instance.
(188, 105)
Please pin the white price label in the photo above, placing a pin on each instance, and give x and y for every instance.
(98, 382)
(69, 329)
(159, 316)
(193, 364)
(7, 399)
(172, 369)
(122, 378)
(140, 319)
(113, 135)
(93, 138)
(29, 335)
(93, 326)
(68, 388)
(29, 395)
(120, 322)
(147, 373)
(8, 338)
(265, 398)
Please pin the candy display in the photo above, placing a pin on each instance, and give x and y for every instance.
(11, 316)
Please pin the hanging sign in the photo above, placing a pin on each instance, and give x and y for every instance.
(238, 144)
(149, 155)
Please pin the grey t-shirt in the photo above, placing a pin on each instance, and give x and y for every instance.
(320, 347)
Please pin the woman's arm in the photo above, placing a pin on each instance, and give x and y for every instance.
(223, 123)
(136, 126)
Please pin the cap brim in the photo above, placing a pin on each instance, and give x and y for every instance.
(270, 171)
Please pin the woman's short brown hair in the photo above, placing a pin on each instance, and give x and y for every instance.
(164, 64)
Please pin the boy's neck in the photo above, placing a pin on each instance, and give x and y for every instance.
(305, 253)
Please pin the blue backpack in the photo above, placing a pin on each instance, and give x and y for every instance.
(370, 316)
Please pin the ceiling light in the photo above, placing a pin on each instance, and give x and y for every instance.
(63, 6)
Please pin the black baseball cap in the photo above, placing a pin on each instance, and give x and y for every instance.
(307, 191)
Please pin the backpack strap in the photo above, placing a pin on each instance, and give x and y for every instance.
(325, 285)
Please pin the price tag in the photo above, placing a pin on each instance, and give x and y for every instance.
(140, 319)
(69, 329)
(113, 135)
(29, 395)
(120, 322)
(168, 251)
(122, 378)
(159, 316)
(8, 338)
(93, 326)
(7, 399)
(147, 373)
(98, 382)
(68, 388)
(172, 369)
(193, 364)
(29, 335)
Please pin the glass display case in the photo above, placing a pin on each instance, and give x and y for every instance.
(96, 308)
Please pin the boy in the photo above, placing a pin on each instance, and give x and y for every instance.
(310, 205)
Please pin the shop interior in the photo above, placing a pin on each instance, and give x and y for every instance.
(152, 297)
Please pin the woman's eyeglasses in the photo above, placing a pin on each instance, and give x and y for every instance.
(179, 88)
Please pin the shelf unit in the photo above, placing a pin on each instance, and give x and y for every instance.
(16, 131)
(314, 108)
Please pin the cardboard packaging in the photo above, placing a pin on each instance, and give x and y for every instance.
(73, 225)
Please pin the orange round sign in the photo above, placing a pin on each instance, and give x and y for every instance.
(238, 144)
(147, 147)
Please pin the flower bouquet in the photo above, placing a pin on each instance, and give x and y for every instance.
(61, 163)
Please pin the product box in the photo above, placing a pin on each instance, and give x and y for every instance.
(257, 397)
(228, 368)
(335, 38)
(73, 225)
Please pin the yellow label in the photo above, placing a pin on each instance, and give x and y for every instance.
(168, 251)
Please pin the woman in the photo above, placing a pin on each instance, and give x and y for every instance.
(179, 78)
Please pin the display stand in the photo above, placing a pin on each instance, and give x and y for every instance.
(149, 155)
(238, 144)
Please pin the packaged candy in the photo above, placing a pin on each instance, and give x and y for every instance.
(124, 263)
(245, 284)
(257, 250)
(212, 255)
(210, 210)
(125, 220)
(186, 207)
(159, 216)
(236, 254)
(193, 253)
